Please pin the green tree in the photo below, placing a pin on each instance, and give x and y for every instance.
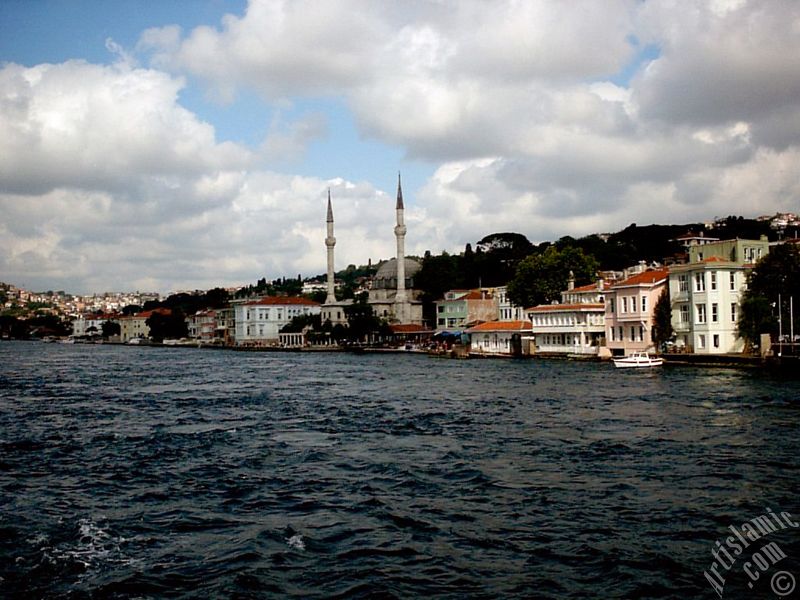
(361, 319)
(756, 316)
(300, 322)
(541, 278)
(110, 328)
(166, 324)
(776, 275)
(662, 320)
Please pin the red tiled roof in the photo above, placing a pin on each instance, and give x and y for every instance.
(562, 307)
(714, 259)
(649, 277)
(409, 328)
(283, 301)
(592, 287)
(501, 326)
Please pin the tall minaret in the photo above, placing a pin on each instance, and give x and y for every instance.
(400, 300)
(330, 242)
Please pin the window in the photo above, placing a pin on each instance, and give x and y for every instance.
(644, 303)
(441, 322)
(633, 333)
(714, 313)
(684, 313)
(641, 333)
(700, 310)
(699, 282)
(633, 303)
(701, 341)
(613, 335)
(716, 341)
(713, 280)
(624, 304)
(621, 334)
(733, 312)
(440, 308)
(683, 283)
(732, 280)
(611, 305)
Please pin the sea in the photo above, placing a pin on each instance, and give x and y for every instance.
(147, 472)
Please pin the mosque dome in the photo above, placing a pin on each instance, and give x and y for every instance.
(386, 277)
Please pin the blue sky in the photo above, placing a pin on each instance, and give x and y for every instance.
(180, 145)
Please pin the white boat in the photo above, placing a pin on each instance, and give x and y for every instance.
(638, 359)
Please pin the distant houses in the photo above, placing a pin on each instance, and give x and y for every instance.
(614, 315)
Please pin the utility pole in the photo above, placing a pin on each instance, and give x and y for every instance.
(780, 328)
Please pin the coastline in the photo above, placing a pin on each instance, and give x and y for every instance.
(777, 364)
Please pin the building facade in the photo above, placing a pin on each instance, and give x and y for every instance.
(706, 293)
(462, 308)
(629, 311)
(500, 337)
(259, 322)
(576, 325)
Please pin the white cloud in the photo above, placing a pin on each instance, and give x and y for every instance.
(106, 177)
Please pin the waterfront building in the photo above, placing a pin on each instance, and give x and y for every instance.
(705, 295)
(225, 325)
(136, 327)
(507, 310)
(462, 308)
(92, 324)
(258, 322)
(576, 325)
(629, 311)
(500, 337)
(202, 325)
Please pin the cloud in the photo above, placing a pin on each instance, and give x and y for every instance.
(545, 118)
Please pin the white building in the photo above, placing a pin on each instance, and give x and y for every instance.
(576, 326)
(259, 322)
(500, 337)
(507, 310)
(705, 295)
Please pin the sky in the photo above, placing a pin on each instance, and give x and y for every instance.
(164, 146)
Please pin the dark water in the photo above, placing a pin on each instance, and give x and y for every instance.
(148, 473)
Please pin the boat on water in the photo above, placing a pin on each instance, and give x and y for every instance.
(638, 359)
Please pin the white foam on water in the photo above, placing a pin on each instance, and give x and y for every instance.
(296, 542)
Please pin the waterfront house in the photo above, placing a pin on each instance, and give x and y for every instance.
(705, 295)
(629, 311)
(462, 308)
(574, 326)
(135, 326)
(92, 324)
(202, 325)
(259, 322)
(500, 338)
(507, 310)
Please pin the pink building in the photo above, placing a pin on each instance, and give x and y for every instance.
(629, 311)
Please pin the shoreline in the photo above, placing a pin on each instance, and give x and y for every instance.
(780, 364)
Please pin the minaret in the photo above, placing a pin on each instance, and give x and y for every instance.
(330, 242)
(400, 300)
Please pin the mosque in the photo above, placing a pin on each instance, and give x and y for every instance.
(392, 295)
